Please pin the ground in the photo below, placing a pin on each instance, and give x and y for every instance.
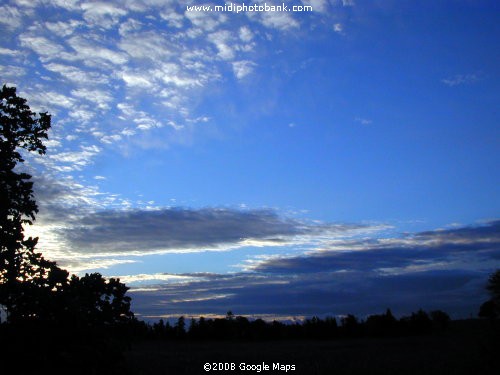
(469, 347)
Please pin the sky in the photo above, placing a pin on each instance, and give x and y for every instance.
(276, 164)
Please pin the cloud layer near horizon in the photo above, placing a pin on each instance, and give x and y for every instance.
(442, 269)
(326, 268)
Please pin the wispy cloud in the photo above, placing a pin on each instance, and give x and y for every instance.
(243, 68)
(348, 3)
(461, 79)
(363, 121)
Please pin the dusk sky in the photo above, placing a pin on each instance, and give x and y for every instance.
(276, 164)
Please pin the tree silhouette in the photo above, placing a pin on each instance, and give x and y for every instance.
(491, 308)
(180, 327)
(494, 285)
(31, 287)
(95, 301)
(381, 325)
(20, 129)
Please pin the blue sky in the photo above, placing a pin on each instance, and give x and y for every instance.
(342, 160)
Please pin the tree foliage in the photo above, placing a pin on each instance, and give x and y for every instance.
(20, 129)
(32, 287)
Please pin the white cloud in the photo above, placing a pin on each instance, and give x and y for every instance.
(363, 121)
(45, 48)
(128, 132)
(66, 4)
(221, 39)
(27, 3)
(63, 29)
(102, 14)
(206, 21)
(50, 100)
(145, 5)
(282, 21)
(100, 97)
(77, 159)
(171, 73)
(12, 72)
(94, 55)
(245, 34)
(9, 52)
(338, 28)
(348, 3)
(141, 118)
(137, 79)
(155, 277)
(109, 139)
(128, 26)
(243, 68)
(82, 115)
(147, 45)
(173, 19)
(317, 5)
(10, 17)
(77, 75)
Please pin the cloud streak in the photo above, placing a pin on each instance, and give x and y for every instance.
(193, 230)
(364, 278)
(461, 79)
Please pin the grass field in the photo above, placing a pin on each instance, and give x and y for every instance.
(468, 347)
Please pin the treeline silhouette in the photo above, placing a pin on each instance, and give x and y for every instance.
(241, 328)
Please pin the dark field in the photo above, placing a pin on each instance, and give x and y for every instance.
(467, 347)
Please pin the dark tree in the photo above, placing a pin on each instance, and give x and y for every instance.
(180, 327)
(31, 287)
(488, 310)
(93, 300)
(491, 308)
(381, 325)
(494, 285)
(20, 129)
(349, 325)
